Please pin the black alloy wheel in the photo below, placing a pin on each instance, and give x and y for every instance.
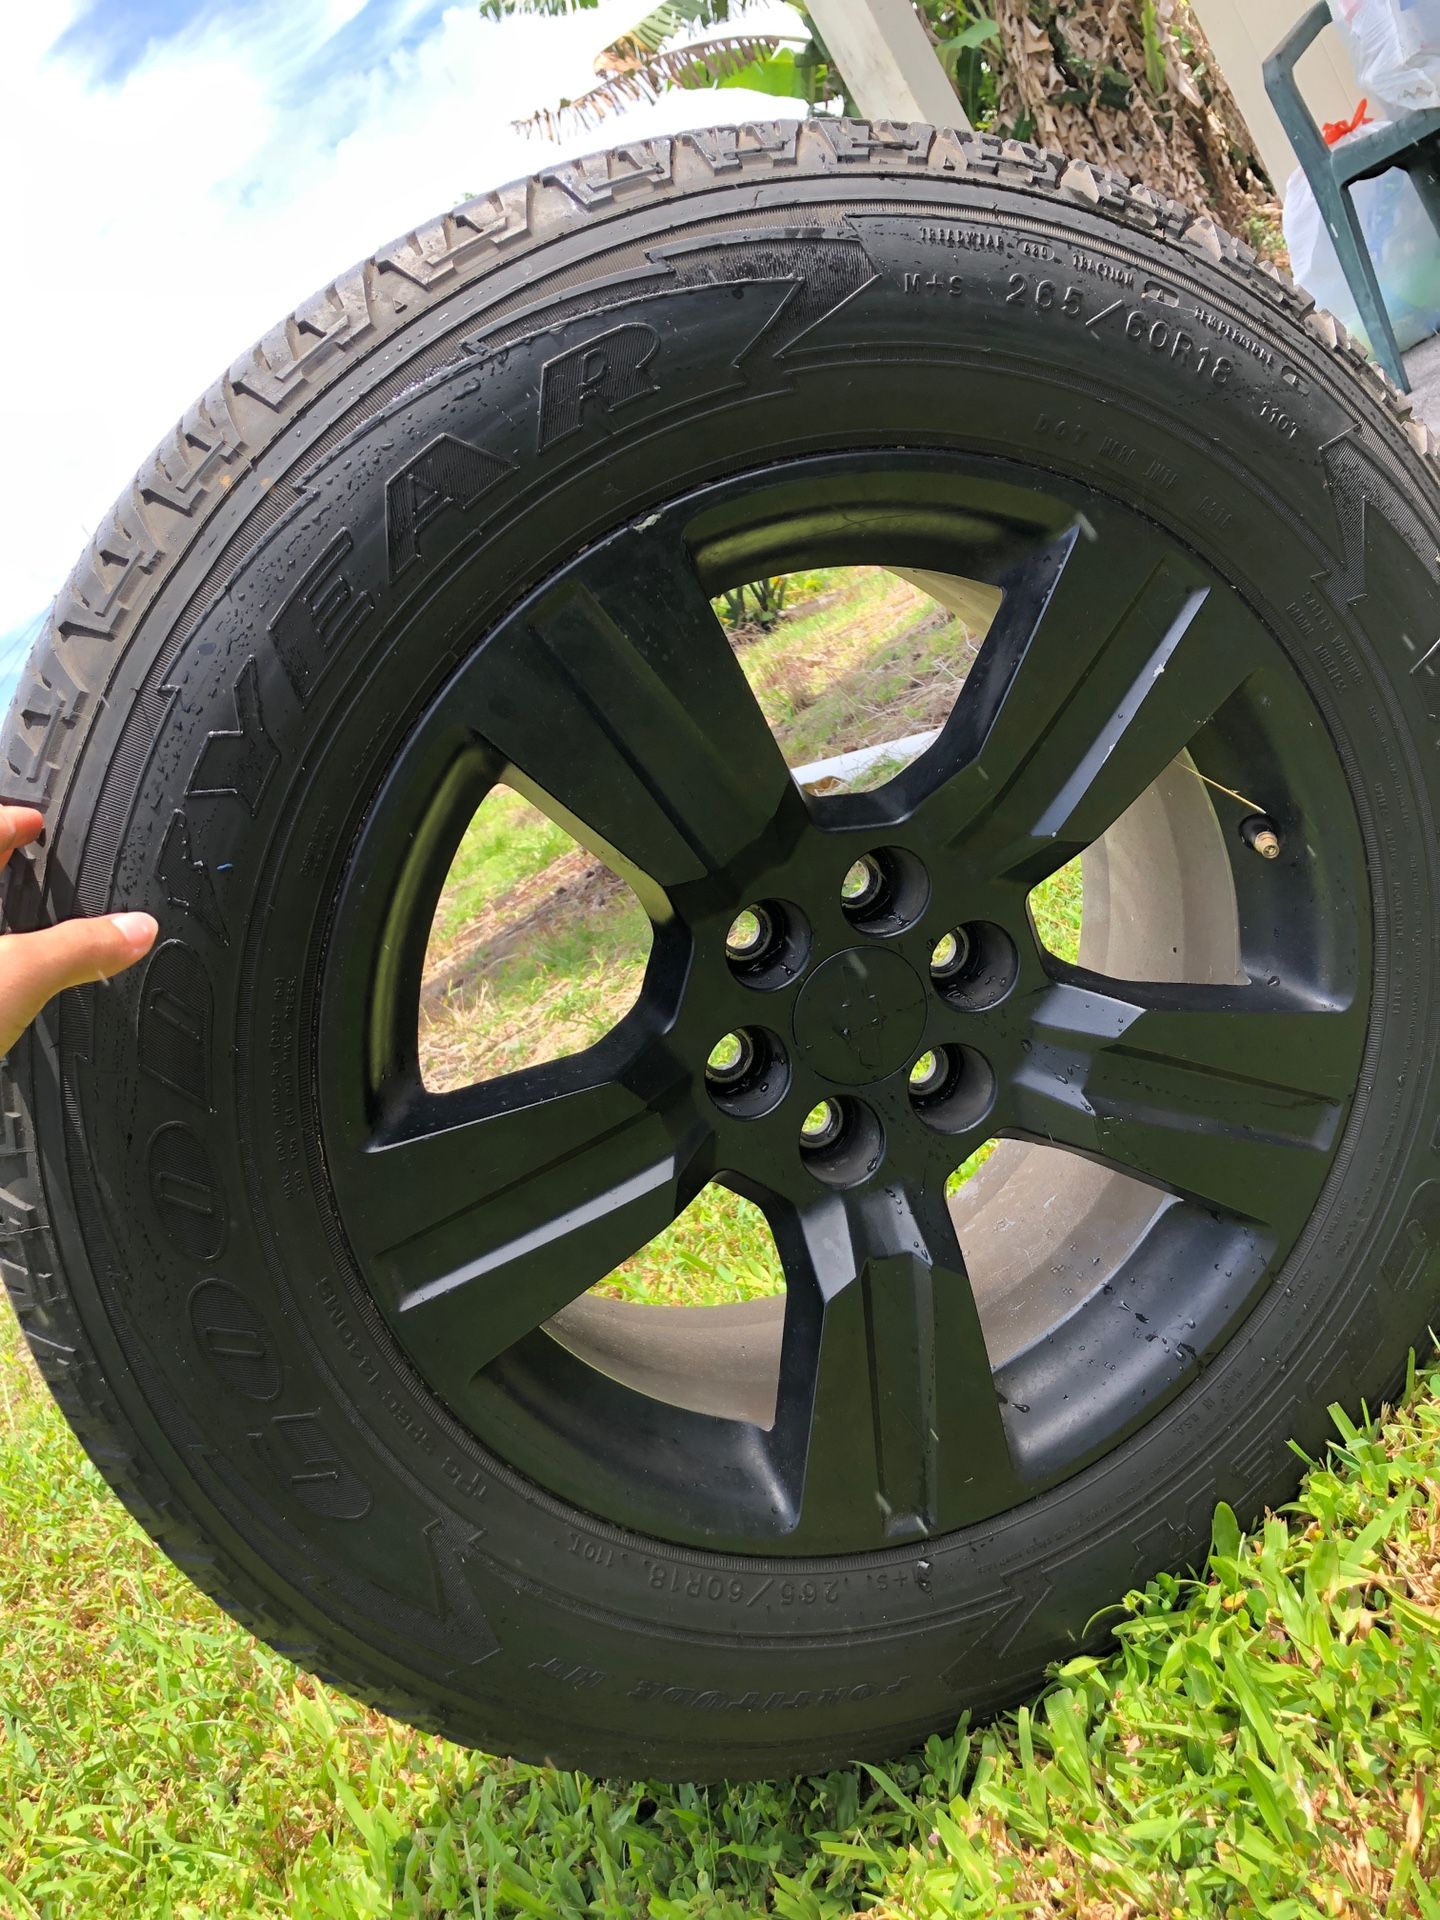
(862, 1410)
(344, 1340)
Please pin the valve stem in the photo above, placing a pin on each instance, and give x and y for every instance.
(1259, 833)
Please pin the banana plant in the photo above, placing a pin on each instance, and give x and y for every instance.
(706, 43)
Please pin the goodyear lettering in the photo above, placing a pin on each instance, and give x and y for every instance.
(324, 607)
(449, 475)
(604, 374)
(234, 1340)
(239, 762)
(187, 881)
(176, 1008)
(186, 1192)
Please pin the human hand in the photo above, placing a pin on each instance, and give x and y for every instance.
(35, 966)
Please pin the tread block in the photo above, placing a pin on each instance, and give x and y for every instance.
(335, 317)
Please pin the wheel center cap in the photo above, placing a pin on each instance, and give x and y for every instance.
(860, 1015)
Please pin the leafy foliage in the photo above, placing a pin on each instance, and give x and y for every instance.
(967, 40)
(660, 50)
(1135, 87)
(759, 603)
(639, 76)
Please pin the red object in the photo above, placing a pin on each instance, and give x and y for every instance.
(1334, 130)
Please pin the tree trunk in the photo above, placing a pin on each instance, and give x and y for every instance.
(1086, 77)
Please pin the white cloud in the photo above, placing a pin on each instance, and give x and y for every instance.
(160, 224)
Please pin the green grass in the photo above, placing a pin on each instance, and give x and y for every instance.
(1055, 908)
(508, 841)
(867, 658)
(1262, 1741)
(563, 988)
(719, 1249)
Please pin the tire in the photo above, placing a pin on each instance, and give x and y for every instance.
(221, 725)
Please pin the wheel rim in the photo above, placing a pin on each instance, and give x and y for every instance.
(1199, 1116)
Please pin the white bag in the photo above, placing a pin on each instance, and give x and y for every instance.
(1403, 245)
(1394, 46)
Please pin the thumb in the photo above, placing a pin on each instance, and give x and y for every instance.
(36, 966)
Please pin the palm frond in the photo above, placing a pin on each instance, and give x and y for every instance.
(502, 9)
(650, 30)
(662, 23)
(696, 63)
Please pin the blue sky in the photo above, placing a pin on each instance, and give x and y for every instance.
(180, 173)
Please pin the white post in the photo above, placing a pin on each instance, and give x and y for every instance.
(888, 62)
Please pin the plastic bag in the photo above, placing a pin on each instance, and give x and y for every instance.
(1394, 46)
(1403, 245)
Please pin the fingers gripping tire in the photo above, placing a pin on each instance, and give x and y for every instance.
(882, 342)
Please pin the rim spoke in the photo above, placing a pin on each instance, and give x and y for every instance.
(886, 1390)
(1102, 665)
(1227, 1096)
(619, 705)
(481, 1213)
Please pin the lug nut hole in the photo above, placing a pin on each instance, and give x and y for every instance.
(750, 934)
(952, 1089)
(927, 1076)
(730, 1059)
(863, 884)
(746, 1072)
(974, 965)
(822, 1126)
(767, 944)
(841, 1141)
(951, 957)
(884, 891)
